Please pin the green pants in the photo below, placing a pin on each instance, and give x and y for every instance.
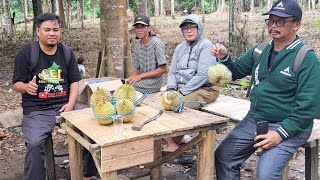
(205, 94)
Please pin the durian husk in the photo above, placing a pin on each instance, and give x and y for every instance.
(219, 75)
(100, 96)
(123, 107)
(170, 100)
(103, 111)
(125, 91)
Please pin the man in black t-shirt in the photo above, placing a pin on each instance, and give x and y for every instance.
(47, 89)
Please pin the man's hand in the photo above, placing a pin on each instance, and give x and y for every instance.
(219, 51)
(67, 107)
(134, 79)
(269, 140)
(32, 87)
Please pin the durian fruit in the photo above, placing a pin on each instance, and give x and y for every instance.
(170, 100)
(103, 111)
(219, 75)
(125, 91)
(99, 97)
(123, 107)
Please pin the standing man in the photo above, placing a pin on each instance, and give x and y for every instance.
(288, 100)
(149, 58)
(49, 86)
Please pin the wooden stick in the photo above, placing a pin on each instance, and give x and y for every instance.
(90, 147)
(169, 157)
(176, 153)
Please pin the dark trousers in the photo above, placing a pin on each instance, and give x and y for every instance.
(37, 126)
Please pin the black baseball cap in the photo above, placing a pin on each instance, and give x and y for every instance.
(142, 19)
(186, 21)
(286, 8)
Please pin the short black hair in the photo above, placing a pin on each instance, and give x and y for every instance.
(47, 17)
(80, 60)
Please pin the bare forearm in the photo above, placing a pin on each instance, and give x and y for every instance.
(73, 94)
(159, 71)
(20, 87)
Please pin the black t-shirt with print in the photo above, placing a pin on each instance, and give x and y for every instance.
(53, 79)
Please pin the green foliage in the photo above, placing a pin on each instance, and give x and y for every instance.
(243, 83)
(318, 24)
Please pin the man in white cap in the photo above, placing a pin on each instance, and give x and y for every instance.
(285, 98)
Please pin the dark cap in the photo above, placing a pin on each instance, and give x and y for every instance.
(286, 8)
(186, 21)
(142, 19)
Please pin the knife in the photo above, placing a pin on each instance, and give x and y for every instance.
(138, 127)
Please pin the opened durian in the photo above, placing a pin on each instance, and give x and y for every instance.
(170, 100)
(219, 75)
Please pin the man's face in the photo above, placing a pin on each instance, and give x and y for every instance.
(141, 31)
(49, 33)
(190, 31)
(282, 28)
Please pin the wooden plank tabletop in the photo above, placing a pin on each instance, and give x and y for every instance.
(228, 106)
(167, 123)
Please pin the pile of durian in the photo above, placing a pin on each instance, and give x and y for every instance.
(122, 102)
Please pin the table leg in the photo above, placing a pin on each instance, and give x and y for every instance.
(155, 172)
(206, 156)
(109, 175)
(75, 158)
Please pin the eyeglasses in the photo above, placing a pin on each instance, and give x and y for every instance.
(187, 28)
(279, 23)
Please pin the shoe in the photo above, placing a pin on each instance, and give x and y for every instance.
(184, 159)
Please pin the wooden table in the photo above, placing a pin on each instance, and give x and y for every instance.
(112, 151)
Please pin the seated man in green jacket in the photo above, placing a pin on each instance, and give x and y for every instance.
(287, 100)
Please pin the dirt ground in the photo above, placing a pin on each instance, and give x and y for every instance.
(86, 42)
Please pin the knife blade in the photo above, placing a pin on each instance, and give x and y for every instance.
(138, 127)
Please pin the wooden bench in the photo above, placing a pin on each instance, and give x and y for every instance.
(12, 121)
(238, 111)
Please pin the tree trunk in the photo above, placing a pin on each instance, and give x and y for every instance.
(143, 7)
(117, 60)
(53, 6)
(172, 10)
(81, 3)
(25, 14)
(313, 2)
(61, 13)
(93, 4)
(162, 10)
(231, 22)
(69, 15)
(46, 6)
(252, 6)
(202, 11)
(165, 7)
(8, 27)
(37, 10)
(156, 8)
(1, 12)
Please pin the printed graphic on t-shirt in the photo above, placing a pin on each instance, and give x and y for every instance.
(50, 82)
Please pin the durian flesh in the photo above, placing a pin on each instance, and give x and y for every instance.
(170, 100)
